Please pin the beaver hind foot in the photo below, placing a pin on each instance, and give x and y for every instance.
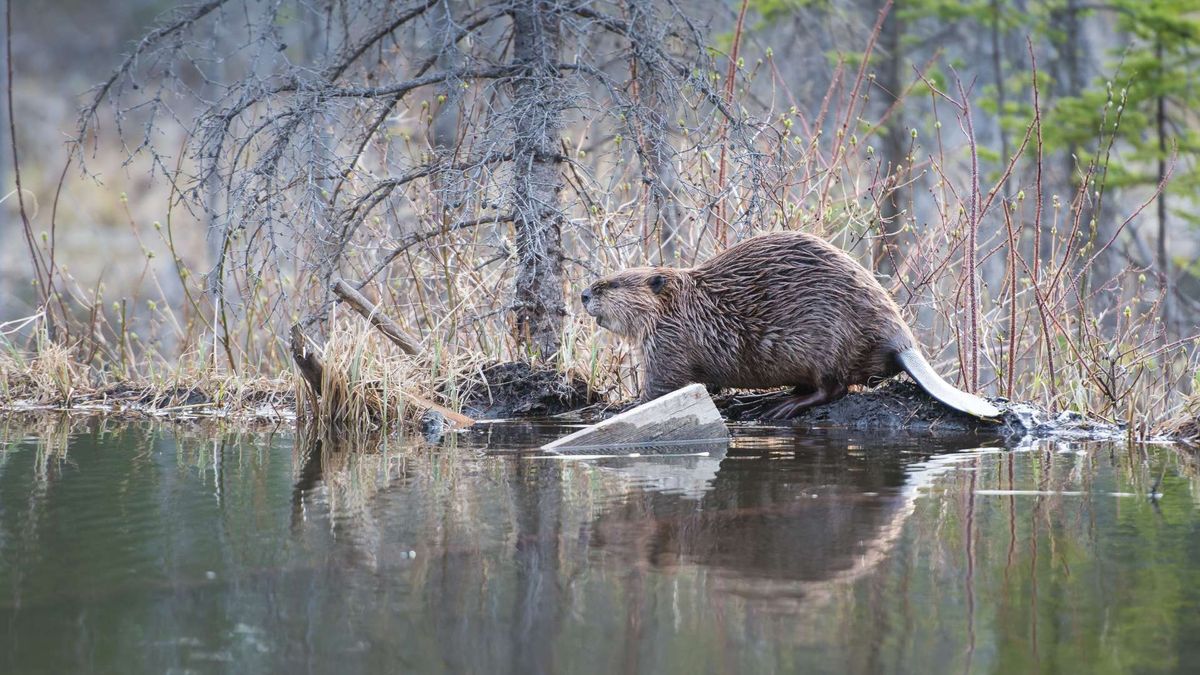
(803, 399)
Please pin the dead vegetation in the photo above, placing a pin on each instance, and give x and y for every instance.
(47, 373)
(1185, 425)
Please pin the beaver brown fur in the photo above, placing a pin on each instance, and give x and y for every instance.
(780, 309)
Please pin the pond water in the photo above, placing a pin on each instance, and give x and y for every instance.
(138, 548)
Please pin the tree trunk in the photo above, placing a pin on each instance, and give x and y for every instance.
(1001, 99)
(653, 115)
(1069, 78)
(450, 188)
(1164, 260)
(320, 44)
(537, 179)
(443, 133)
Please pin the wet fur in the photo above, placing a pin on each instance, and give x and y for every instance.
(782, 309)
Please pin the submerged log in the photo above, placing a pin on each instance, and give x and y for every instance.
(685, 415)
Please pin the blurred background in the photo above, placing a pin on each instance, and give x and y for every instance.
(60, 51)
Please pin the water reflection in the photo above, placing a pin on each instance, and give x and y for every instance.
(800, 509)
(157, 549)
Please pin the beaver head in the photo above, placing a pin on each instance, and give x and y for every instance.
(630, 301)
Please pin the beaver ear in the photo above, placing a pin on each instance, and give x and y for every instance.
(657, 283)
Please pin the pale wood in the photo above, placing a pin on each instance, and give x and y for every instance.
(371, 313)
(457, 419)
(685, 415)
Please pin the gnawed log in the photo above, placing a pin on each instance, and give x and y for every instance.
(685, 415)
(457, 419)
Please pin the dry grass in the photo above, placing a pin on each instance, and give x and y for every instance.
(1185, 424)
(366, 382)
(48, 374)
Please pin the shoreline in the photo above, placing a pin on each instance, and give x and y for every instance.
(518, 392)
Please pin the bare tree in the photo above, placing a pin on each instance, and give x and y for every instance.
(895, 144)
(538, 104)
(649, 116)
(316, 159)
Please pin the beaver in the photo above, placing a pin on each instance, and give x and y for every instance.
(779, 309)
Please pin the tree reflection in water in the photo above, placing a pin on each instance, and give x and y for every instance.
(784, 552)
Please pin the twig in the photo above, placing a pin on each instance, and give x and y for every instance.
(35, 256)
(730, 78)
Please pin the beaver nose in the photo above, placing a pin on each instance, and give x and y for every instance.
(586, 295)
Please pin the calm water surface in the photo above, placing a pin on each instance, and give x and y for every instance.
(136, 548)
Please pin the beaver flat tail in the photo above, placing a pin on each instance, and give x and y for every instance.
(916, 366)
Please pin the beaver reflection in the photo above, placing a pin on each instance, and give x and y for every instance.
(803, 509)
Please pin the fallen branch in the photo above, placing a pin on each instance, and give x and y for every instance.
(378, 319)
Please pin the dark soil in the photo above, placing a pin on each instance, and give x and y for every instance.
(503, 390)
(894, 406)
(170, 398)
(899, 406)
(185, 397)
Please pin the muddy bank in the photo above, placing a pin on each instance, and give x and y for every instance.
(1185, 427)
(504, 390)
(497, 390)
(897, 406)
(519, 390)
(267, 400)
